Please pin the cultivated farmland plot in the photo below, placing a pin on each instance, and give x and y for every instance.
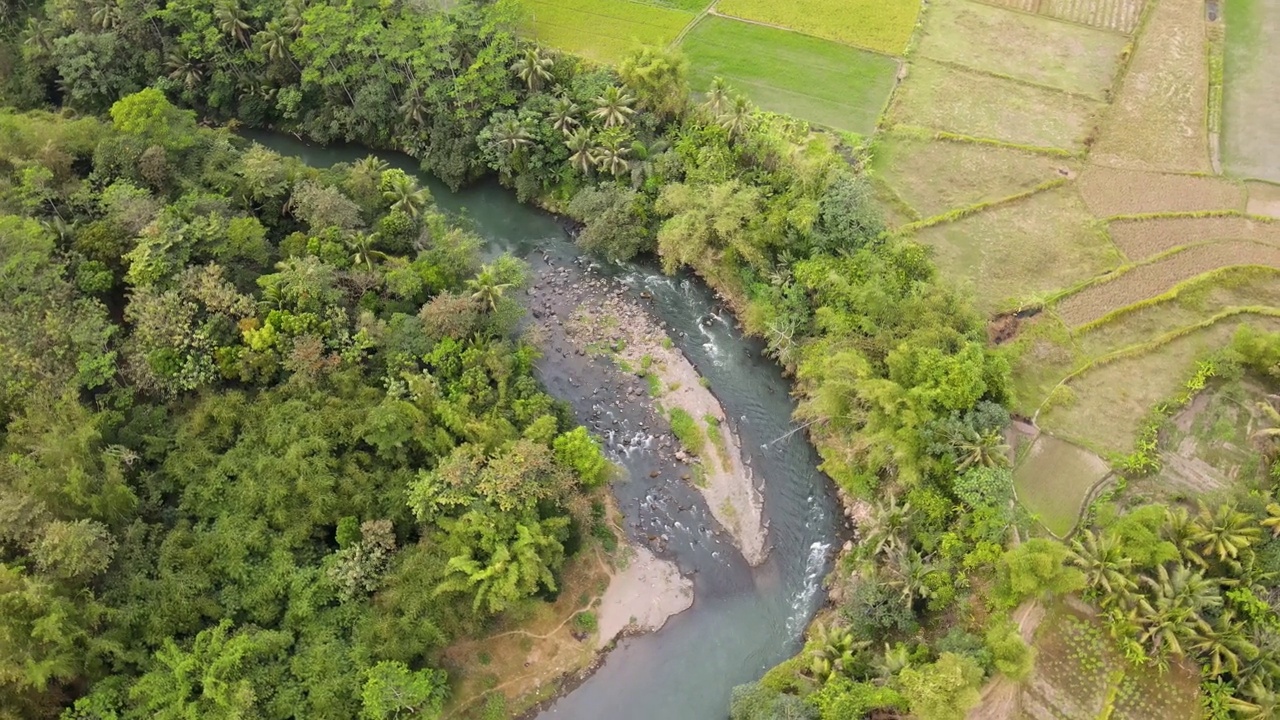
(1160, 276)
(1035, 49)
(1139, 239)
(1158, 120)
(602, 30)
(1120, 16)
(821, 81)
(1251, 90)
(1110, 191)
(881, 25)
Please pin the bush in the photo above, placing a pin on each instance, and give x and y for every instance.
(586, 621)
(985, 487)
(1010, 656)
(841, 698)
(578, 450)
(687, 431)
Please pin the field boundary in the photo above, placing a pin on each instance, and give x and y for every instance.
(1187, 215)
(696, 19)
(1173, 293)
(920, 132)
(1065, 21)
(964, 212)
(711, 10)
(1020, 81)
(895, 198)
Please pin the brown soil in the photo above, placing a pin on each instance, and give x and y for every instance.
(1111, 191)
(1140, 239)
(1161, 276)
(1003, 328)
(1264, 199)
(1118, 15)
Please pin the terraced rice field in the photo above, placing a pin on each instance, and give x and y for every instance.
(1109, 192)
(1120, 16)
(1158, 120)
(1035, 49)
(1160, 276)
(934, 176)
(1251, 89)
(602, 30)
(881, 25)
(1053, 480)
(1020, 252)
(972, 103)
(824, 82)
(1140, 239)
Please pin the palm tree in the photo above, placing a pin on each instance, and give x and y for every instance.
(485, 287)
(737, 118)
(413, 108)
(233, 20)
(894, 660)
(1225, 645)
(184, 69)
(1175, 610)
(1180, 529)
(106, 16)
(405, 195)
(563, 115)
(611, 155)
(361, 246)
(1272, 520)
(511, 135)
(717, 102)
(975, 449)
(1268, 436)
(644, 164)
(833, 650)
(614, 107)
(885, 530)
(580, 145)
(1255, 701)
(371, 166)
(909, 574)
(533, 68)
(274, 42)
(1106, 568)
(1225, 533)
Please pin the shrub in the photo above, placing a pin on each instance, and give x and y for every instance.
(687, 431)
(578, 450)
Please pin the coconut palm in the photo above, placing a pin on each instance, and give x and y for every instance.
(718, 98)
(405, 196)
(184, 69)
(644, 164)
(1180, 529)
(485, 288)
(1105, 566)
(362, 252)
(413, 108)
(611, 155)
(1272, 520)
(885, 530)
(371, 166)
(614, 107)
(894, 660)
(273, 41)
(510, 135)
(1225, 646)
(1268, 436)
(580, 145)
(533, 68)
(975, 449)
(563, 114)
(233, 20)
(909, 574)
(737, 117)
(106, 16)
(1255, 701)
(832, 651)
(1225, 532)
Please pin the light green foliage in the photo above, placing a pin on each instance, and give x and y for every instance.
(576, 449)
(943, 690)
(392, 691)
(1010, 655)
(615, 221)
(687, 431)
(981, 487)
(840, 698)
(1035, 569)
(150, 116)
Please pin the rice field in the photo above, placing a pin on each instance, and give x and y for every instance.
(934, 176)
(1020, 252)
(1158, 120)
(1121, 16)
(881, 25)
(1251, 90)
(1141, 239)
(603, 30)
(1054, 479)
(1154, 278)
(1110, 191)
(972, 103)
(820, 81)
(1026, 47)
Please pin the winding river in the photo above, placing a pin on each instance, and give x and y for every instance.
(744, 619)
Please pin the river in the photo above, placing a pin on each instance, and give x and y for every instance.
(744, 620)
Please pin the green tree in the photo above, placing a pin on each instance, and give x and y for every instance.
(148, 114)
(392, 691)
(533, 68)
(943, 690)
(1038, 569)
(613, 107)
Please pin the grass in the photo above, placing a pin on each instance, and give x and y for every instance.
(1159, 118)
(880, 25)
(1109, 192)
(972, 103)
(1140, 239)
(1251, 92)
(1035, 49)
(603, 30)
(1054, 479)
(1019, 252)
(717, 440)
(687, 431)
(934, 176)
(823, 82)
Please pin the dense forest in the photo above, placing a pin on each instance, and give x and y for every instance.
(271, 442)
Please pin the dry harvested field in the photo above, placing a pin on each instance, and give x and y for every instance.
(972, 103)
(1022, 251)
(1140, 239)
(1155, 278)
(881, 25)
(1109, 401)
(1264, 198)
(1120, 16)
(1035, 49)
(1251, 90)
(934, 176)
(1158, 119)
(1110, 191)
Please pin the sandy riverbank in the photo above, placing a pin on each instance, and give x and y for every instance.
(618, 324)
(642, 596)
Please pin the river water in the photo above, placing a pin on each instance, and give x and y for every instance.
(743, 619)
